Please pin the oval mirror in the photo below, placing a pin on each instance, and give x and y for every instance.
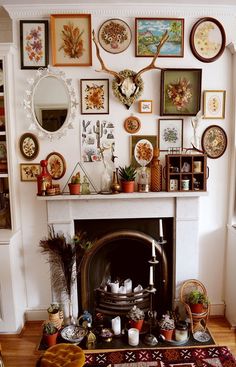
(50, 103)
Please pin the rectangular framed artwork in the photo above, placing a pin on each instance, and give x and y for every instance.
(141, 149)
(29, 171)
(180, 92)
(34, 44)
(94, 96)
(145, 106)
(170, 134)
(148, 32)
(214, 104)
(71, 39)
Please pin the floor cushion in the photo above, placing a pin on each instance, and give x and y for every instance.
(63, 355)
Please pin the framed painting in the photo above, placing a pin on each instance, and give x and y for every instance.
(207, 39)
(180, 92)
(141, 149)
(1, 77)
(214, 141)
(71, 39)
(148, 32)
(145, 106)
(114, 36)
(214, 104)
(132, 124)
(56, 165)
(2, 114)
(29, 171)
(29, 146)
(34, 44)
(94, 96)
(170, 134)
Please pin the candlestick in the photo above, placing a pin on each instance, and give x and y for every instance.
(153, 249)
(151, 276)
(160, 229)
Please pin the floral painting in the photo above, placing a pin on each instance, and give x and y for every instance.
(94, 96)
(29, 171)
(170, 133)
(214, 104)
(114, 36)
(142, 147)
(149, 32)
(34, 44)
(180, 91)
(71, 40)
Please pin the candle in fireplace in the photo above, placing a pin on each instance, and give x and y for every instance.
(151, 276)
(160, 229)
(153, 249)
(116, 325)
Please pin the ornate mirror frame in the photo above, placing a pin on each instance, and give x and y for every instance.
(29, 102)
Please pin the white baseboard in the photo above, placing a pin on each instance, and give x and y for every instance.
(218, 309)
(36, 315)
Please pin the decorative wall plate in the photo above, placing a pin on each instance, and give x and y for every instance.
(207, 39)
(214, 141)
(29, 146)
(56, 165)
(114, 36)
(132, 124)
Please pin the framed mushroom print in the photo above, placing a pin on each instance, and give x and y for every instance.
(214, 104)
(207, 39)
(29, 146)
(34, 44)
(114, 36)
(94, 95)
(170, 134)
(214, 141)
(71, 39)
(180, 92)
(56, 165)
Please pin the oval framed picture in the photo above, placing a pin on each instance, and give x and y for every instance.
(56, 165)
(132, 124)
(29, 146)
(114, 36)
(207, 39)
(214, 141)
(143, 152)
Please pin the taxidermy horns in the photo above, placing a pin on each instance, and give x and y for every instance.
(127, 85)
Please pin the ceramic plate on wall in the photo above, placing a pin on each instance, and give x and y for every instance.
(114, 36)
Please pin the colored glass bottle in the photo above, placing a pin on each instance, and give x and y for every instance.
(44, 179)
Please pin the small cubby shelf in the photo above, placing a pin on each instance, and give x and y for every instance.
(186, 172)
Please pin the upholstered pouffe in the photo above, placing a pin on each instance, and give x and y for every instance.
(63, 355)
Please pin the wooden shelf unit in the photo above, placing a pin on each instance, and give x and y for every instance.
(176, 174)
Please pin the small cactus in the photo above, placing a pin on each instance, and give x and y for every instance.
(49, 328)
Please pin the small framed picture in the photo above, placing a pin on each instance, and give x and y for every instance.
(29, 171)
(71, 39)
(56, 165)
(180, 92)
(132, 124)
(1, 77)
(214, 104)
(142, 147)
(2, 114)
(170, 133)
(94, 96)
(29, 146)
(34, 44)
(145, 106)
(114, 36)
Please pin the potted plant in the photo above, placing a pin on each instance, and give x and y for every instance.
(197, 301)
(55, 315)
(74, 185)
(50, 333)
(127, 175)
(167, 326)
(136, 317)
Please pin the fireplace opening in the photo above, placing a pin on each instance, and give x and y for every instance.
(122, 250)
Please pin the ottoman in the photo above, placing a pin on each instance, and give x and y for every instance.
(63, 355)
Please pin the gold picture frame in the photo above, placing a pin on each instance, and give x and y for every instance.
(71, 29)
(29, 171)
(214, 104)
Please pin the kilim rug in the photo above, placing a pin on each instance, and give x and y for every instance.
(167, 357)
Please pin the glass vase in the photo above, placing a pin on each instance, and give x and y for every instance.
(106, 181)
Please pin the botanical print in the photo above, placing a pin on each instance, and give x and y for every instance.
(34, 44)
(142, 147)
(56, 165)
(29, 146)
(72, 42)
(214, 141)
(94, 96)
(97, 139)
(170, 134)
(207, 39)
(29, 172)
(114, 36)
(180, 93)
(150, 31)
(214, 104)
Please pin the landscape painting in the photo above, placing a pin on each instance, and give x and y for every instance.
(148, 33)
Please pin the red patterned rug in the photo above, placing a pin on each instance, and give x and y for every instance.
(166, 357)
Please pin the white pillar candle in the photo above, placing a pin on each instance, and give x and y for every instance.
(133, 337)
(153, 249)
(151, 276)
(160, 228)
(128, 285)
(114, 287)
(116, 325)
(139, 288)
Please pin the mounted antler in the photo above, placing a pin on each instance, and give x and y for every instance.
(152, 65)
(104, 68)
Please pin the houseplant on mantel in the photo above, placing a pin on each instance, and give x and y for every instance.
(197, 301)
(167, 326)
(74, 185)
(127, 175)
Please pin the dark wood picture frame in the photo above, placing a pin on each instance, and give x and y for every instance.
(198, 38)
(56, 165)
(214, 141)
(89, 96)
(32, 52)
(29, 146)
(171, 81)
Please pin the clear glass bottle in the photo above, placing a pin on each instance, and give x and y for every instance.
(106, 181)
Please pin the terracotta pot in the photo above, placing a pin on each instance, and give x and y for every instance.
(50, 340)
(74, 189)
(127, 186)
(196, 307)
(168, 334)
(136, 324)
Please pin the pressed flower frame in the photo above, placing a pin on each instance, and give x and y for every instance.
(71, 39)
(180, 92)
(170, 134)
(94, 94)
(34, 44)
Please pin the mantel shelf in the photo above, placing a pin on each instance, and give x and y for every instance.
(130, 196)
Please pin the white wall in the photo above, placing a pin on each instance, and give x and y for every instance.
(216, 75)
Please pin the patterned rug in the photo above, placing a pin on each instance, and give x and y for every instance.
(166, 357)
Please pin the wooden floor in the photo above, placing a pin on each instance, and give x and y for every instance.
(21, 351)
